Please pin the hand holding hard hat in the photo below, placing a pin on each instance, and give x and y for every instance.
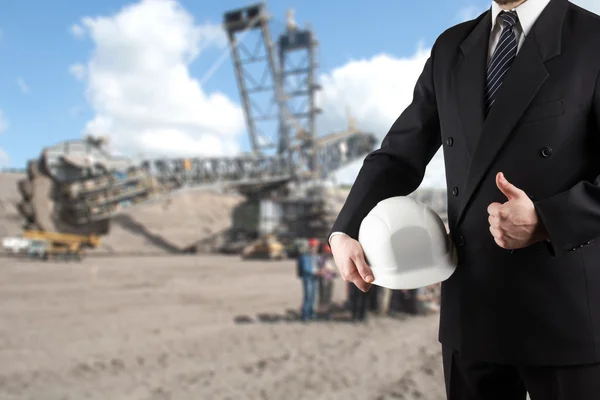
(406, 245)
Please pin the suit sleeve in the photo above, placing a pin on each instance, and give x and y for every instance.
(572, 218)
(397, 168)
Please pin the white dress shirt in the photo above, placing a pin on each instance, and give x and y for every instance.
(528, 12)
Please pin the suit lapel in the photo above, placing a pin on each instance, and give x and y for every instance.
(469, 80)
(521, 83)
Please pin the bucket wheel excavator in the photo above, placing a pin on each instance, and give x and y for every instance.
(76, 186)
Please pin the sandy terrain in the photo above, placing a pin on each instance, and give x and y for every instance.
(159, 227)
(168, 227)
(188, 218)
(190, 327)
(170, 328)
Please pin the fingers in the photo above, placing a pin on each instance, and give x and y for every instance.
(363, 268)
(496, 232)
(502, 243)
(364, 276)
(351, 263)
(500, 237)
(510, 191)
(362, 285)
(350, 272)
(494, 209)
(496, 228)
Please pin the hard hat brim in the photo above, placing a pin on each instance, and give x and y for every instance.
(412, 279)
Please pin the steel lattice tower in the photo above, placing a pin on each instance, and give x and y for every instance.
(297, 67)
(238, 23)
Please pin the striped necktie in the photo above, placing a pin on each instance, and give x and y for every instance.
(503, 57)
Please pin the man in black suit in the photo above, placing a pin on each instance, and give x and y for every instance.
(514, 99)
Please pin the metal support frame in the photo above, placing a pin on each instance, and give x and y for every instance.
(297, 65)
(338, 152)
(255, 17)
(333, 152)
(233, 171)
(95, 185)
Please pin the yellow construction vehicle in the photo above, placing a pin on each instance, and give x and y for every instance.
(266, 247)
(65, 246)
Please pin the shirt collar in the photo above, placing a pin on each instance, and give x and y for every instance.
(528, 13)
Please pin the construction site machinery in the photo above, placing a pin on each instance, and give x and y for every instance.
(266, 247)
(14, 245)
(288, 73)
(77, 186)
(46, 245)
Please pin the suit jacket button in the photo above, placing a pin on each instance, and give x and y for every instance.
(455, 191)
(546, 152)
(450, 141)
(461, 241)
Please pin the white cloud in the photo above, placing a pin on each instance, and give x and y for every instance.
(77, 31)
(23, 85)
(468, 13)
(4, 159)
(139, 86)
(3, 122)
(376, 91)
(78, 71)
(592, 5)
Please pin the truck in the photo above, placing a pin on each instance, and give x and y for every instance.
(15, 245)
(45, 245)
(266, 247)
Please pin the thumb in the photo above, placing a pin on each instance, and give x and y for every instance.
(510, 191)
(363, 267)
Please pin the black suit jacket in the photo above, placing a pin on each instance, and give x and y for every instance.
(536, 305)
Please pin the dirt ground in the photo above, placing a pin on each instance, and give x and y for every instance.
(189, 327)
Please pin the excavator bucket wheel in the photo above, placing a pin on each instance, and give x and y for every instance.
(29, 226)
(37, 204)
(25, 189)
(33, 169)
(101, 227)
(25, 210)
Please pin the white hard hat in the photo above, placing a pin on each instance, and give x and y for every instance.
(406, 244)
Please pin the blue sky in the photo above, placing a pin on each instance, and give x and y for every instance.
(38, 44)
(370, 53)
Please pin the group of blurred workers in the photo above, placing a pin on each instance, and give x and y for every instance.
(317, 270)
